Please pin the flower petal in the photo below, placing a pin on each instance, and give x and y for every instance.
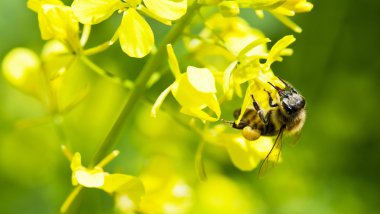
(76, 161)
(227, 76)
(193, 100)
(247, 102)
(201, 79)
(36, 5)
(167, 9)
(173, 62)
(276, 50)
(123, 184)
(90, 178)
(94, 11)
(160, 99)
(136, 36)
(242, 154)
(288, 22)
(198, 113)
(58, 22)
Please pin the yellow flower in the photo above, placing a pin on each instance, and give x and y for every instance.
(250, 69)
(288, 8)
(226, 42)
(122, 186)
(194, 90)
(136, 36)
(86, 177)
(57, 21)
(221, 41)
(244, 154)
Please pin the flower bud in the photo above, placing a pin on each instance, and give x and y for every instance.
(22, 68)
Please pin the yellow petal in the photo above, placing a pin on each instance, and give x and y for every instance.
(201, 79)
(172, 59)
(158, 103)
(254, 48)
(288, 22)
(152, 15)
(190, 98)
(263, 4)
(246, 102)
(263, 145)
(94, 11)
(90, 178)
(22, 68)
(275, 52)
(227, 76)
(167, 9)
(198, 113)
(58, 22)
(121, 183)
(242, 154)
(136, 36)
(247, 70)
(36, 5)
(76, 161)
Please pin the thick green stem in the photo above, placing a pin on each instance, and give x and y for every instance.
(141, 82)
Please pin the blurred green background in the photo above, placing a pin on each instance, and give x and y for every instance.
(334, 168)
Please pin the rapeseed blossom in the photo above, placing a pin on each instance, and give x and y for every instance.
(57, 21)
(123, 187)
(194, 90)
(245, 155)
(135, 35)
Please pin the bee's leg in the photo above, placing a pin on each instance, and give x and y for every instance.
(237, 113)
(259, 110)
(241, 124)
(271, 104)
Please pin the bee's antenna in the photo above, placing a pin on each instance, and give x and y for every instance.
(275, 87)
(278, 89)
(285, 83)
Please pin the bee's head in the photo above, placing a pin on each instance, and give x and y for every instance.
(291, 101)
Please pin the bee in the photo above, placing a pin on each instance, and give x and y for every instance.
(286, 114)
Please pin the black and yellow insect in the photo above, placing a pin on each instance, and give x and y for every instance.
(286, 114)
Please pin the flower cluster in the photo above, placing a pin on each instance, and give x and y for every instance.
(226, 60)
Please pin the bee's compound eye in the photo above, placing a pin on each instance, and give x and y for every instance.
(250, 134)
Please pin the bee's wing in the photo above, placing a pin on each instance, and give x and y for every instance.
(293, 139)
(274, 154)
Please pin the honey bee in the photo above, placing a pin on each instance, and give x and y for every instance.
(286, 114)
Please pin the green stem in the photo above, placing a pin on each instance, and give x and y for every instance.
(141, 82)
(102, 47)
